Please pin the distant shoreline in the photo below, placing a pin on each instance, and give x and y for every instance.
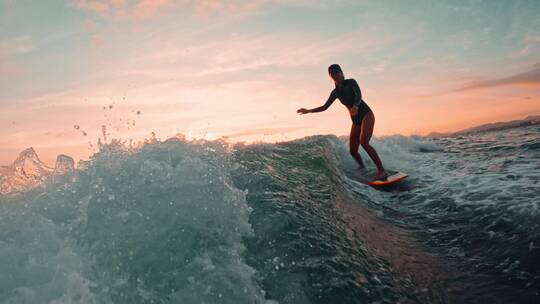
(495, 126)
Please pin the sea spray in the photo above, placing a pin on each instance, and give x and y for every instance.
(162, 224)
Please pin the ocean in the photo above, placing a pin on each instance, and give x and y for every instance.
(199, 221)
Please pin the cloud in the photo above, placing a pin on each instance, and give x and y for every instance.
(122, 8)
(530, 45)
(206, 7)
(10, 49)
(531, 77)
(9, 70)
(101, 7)
(147, 8)
(16, 46)
(253, 52)
(141, 9)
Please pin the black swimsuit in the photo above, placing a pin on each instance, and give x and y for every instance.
(349, 94)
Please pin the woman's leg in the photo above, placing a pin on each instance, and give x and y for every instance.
(367, 130)
(354, 142)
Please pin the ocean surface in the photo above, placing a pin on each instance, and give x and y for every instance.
(181, 221)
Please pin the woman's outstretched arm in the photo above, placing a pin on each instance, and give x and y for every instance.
(326, 105)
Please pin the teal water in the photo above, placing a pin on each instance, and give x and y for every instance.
(209, 222)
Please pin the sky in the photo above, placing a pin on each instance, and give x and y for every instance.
(75, 71)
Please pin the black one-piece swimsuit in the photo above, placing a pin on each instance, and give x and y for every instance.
(349, 94)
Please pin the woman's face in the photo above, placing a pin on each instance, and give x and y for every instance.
(337, 76)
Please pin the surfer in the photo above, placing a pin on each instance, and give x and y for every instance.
(363, 120)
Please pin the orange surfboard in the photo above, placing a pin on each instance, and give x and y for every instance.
(393, 178)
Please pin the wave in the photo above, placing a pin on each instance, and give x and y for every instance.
(207, 221)
(163, 224)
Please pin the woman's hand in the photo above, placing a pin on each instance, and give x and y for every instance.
(302, 111)
(353, 110)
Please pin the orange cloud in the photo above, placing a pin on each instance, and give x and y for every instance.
(531, 77)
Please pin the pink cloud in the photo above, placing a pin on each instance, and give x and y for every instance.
(16, 46)
(9, 70)
(147, 8)
(206, 7)
(121, 8)
(531, 42)
(94, 6)
(141, 9)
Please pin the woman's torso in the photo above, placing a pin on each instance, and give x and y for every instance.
(349, 93)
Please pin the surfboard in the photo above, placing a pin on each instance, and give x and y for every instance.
(393, 178)
(369, 177)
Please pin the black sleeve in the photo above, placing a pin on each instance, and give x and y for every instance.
(327, 104)
(357, 92)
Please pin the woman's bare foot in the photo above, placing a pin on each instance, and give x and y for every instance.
(361, 167)
(381, 175)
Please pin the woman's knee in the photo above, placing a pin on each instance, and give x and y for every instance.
(365, 144)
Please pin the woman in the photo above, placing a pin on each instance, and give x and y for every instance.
(348, 92)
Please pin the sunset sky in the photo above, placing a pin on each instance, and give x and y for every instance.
(242, 68)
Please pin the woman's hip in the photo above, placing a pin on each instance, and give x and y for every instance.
(362, 112)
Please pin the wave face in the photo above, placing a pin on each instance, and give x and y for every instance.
(208, 222)
(161, 225)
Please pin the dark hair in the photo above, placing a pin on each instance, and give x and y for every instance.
(334, 68)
